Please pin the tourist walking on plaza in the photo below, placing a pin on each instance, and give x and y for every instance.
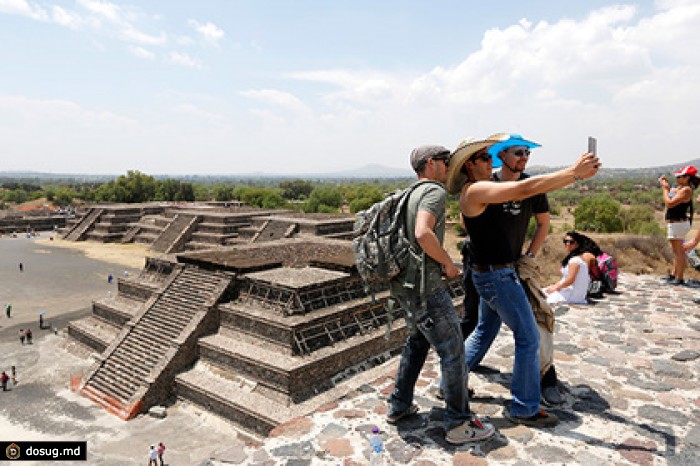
(21, 267)
(29, 336)
(8, 310)
(14, 375)
(431, 318)
(679, 216)
(22, 335)
(503, 298)
(3, 379)
(153, 456)
(161, 450)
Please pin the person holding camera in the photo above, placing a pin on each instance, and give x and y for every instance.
(679, 215)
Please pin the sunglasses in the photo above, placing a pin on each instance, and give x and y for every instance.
(483, 157)
(568, 241)
(444, 159)
(521, 153)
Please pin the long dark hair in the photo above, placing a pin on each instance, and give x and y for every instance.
(584, 244)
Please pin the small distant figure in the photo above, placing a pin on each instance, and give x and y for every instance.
(29, 336)
(21, 267)
(126, 273)
(161, 450)
(110, 278)
(4, 378)
(22, 335)
(153, 456)
(14, 376)
(41, 321)
(8, 310)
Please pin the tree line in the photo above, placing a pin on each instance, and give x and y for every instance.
(605, 205)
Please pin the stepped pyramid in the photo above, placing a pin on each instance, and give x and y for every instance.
(258, 334)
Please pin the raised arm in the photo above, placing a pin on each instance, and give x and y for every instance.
(682, 194)
(476, 196)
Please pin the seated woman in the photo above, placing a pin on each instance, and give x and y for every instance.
(580, 258)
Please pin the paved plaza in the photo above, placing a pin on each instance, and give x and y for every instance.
(628, 364)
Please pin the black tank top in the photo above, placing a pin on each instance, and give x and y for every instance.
(679, 212)
(491, 237)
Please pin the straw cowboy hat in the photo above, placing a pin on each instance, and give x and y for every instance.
(464, 151)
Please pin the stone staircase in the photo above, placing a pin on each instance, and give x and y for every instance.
(137, 369)
(80, 228)
(176, 234)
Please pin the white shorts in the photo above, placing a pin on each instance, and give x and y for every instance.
(677, 230)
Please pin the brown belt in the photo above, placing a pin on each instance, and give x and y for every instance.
(481, 268)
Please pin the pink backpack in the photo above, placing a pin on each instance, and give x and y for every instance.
(607, 271)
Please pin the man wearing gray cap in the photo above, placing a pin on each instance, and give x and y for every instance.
(432, 319)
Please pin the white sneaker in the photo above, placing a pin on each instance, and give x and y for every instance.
(470, 431)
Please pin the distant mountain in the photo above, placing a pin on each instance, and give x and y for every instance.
(373, 170)
(645, 172)
(367, 172)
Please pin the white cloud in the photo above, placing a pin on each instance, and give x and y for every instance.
(209, 31)
(66, 18)
(183, 59)
(23, 8)
(106, 10)
(139, 37)
(140, 52)
(610, 74)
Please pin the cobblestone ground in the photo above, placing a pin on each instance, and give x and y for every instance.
(628, 366)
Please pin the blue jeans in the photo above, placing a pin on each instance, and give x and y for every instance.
(503, 299)
(437, 325)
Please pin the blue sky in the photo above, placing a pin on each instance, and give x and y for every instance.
(281, 87)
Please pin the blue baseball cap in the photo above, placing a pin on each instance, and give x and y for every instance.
(512, 141)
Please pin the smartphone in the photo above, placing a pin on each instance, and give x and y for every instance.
(592, 143)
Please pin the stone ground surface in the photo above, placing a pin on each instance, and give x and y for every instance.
(628, 364)
(629, 368)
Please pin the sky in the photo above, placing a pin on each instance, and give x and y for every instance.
(171, 87)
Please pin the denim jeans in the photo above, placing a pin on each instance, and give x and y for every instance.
(437, 325)
(503, 299)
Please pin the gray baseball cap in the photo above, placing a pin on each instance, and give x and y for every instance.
(420, 155)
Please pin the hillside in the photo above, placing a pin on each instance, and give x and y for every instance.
(649, 255)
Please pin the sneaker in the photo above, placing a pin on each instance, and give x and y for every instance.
(551, 396)
(541, 419)
(677, 282)
(469, 431)
(440, 394)
(393, 418)
(669, 278)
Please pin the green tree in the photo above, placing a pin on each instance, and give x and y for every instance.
(296, 189)
(64, 197)
(222, 192)
(325, 199)
(598, 213)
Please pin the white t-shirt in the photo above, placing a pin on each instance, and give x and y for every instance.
(576, 292)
